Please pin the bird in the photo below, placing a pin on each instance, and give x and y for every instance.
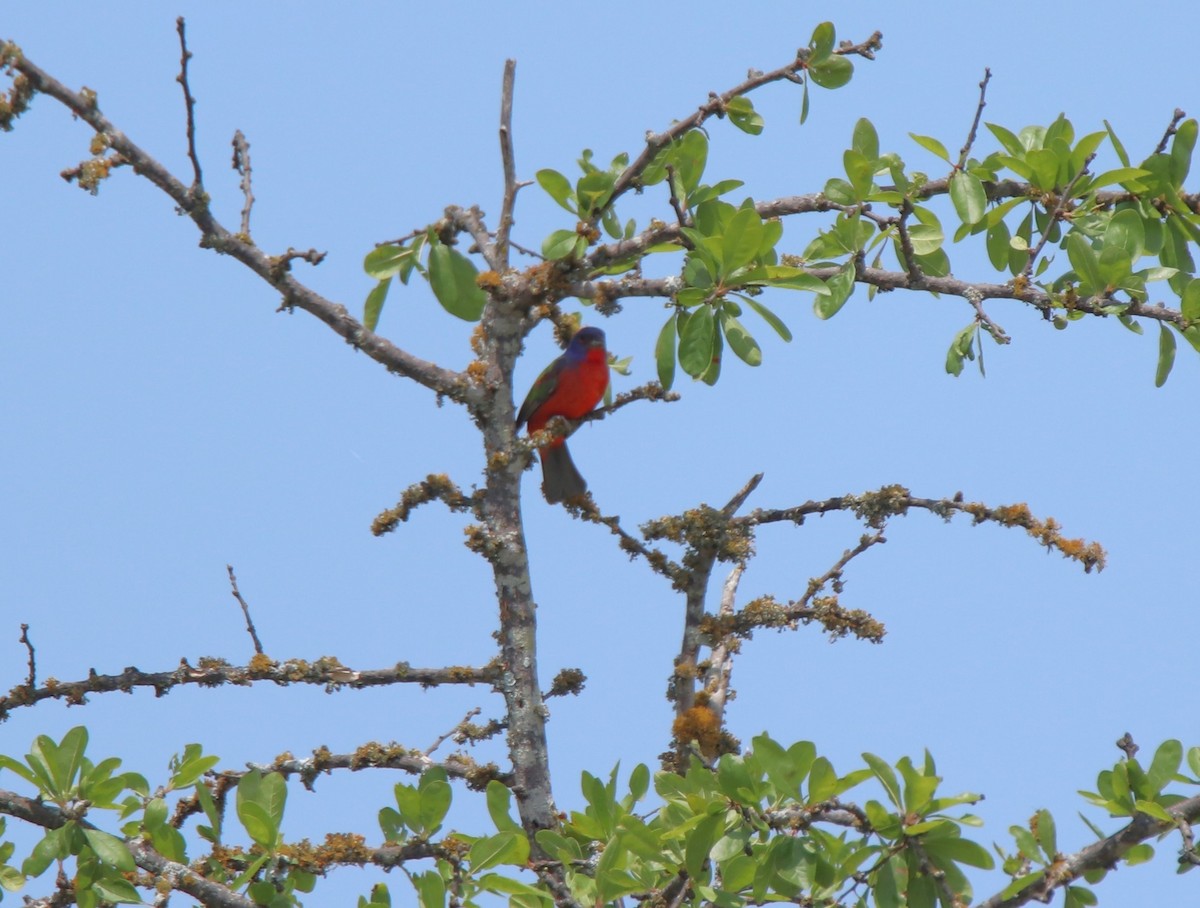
(569, 387)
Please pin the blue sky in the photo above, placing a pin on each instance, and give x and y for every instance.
(162, 420)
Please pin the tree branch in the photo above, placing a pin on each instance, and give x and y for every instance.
(508, 159)
(1101, 855)
(274, 271)
(190, 104)
(894, 500)
(715, 106)
(178, 876)
(326, 672)
(966, 149)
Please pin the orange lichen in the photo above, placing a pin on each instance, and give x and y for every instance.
(701, 725)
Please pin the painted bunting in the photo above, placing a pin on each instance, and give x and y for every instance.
(569, 387)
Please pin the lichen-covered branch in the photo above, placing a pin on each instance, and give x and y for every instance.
(326, 672)
(894, 500)
(274, 270)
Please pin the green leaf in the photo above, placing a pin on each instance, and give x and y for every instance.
(11, 879)
(502, 848)
(1047, 835)
(1007, 140)
(696, 342)
(452, 277)
(117, 891)
(742, 114)
(384, 261)
(374, 306)
(821, 42)
(841, 285)
(593, 190)
(865, 139)
(770, 318)
(558, 187)
(1181, 151)
(933, 145)
(1166, 355)
(1119, 175)
(499, 799)
(969, 198)
(1189, 303)
(960, 349)
(258, 824)
(804, 102)
(27, 774)
(883, 772)
(110, 850)
(832, 72)
(740, 340)
(789, 277)
(431, 889)
(1139, 854)
(1085, 262)
(1117, 146)
(700, 842)
(664, 353)
(1165, 765)
(742, 239)
(1125, 231)
(435, 803)
(998, 239)
(559, 245)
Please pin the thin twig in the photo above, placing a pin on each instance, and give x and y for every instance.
(190, 104)
(680, 215)
(509, 161)
(31, 680)
(241, 163)
(715, 106)
(1172, 127)
(834, 574)
(915, 275)
(630, 544)
(976, 300)
(966, 149)
(245, 610)
(442, 738)
(1060, 207)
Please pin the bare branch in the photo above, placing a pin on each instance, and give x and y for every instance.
(326, 672)
(630, 544)
(508, 159)
(190, 103)
(245, 610)
(470, 221)
(982, 317)
(31, 678)
(454, 385)
(241, 163)
(966, 149)
(1172, 128)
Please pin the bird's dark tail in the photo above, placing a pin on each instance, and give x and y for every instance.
(561, 480)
